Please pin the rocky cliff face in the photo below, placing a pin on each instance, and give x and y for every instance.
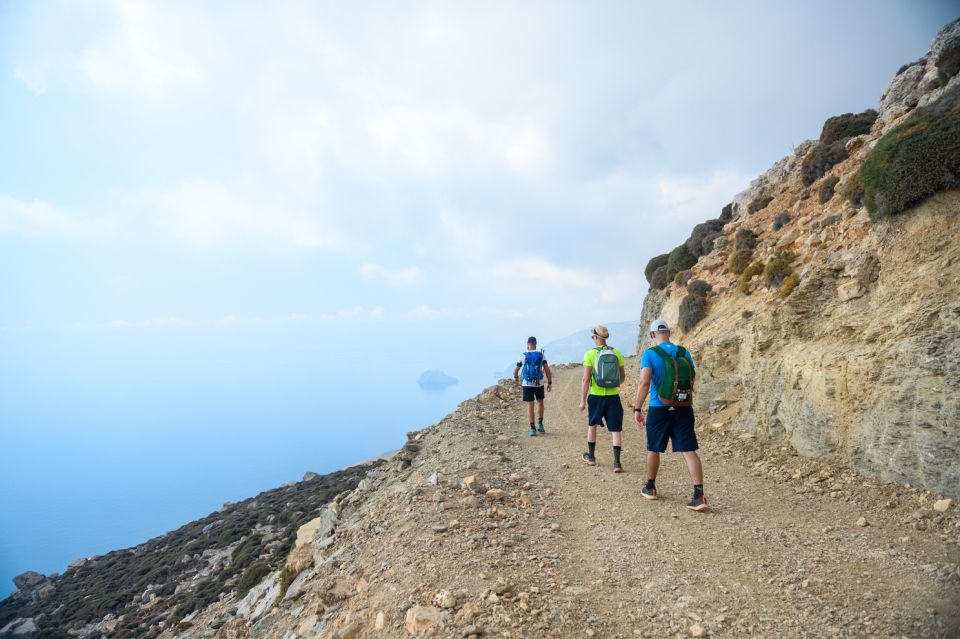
(860, 362)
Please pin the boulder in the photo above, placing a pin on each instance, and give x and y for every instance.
(420, 618)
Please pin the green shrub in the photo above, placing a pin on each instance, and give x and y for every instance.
(726, 214)
(912, 162)
(789, 283)
(251, 578)
(706, 246)
(681, 278)
(739, 260)
(780, 220)
(759, 204)
(827, 188)
(660, 278)
(695, 242)
(821, 159)
(699, 287)
(653, 265)
(848, 125)
(778, 268)
(853, 190)
(692, 310)
(680, 259)
(745, 238)
(748, 274)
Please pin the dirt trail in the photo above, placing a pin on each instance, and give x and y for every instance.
(770, 558)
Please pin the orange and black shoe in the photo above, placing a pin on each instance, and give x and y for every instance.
(698, 503)
(649, 492)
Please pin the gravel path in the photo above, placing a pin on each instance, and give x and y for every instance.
(770, 558)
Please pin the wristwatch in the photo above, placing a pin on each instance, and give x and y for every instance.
(637, 410)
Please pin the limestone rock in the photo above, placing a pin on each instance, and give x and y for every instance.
(420, 618)
(942, 505)
(260, 598)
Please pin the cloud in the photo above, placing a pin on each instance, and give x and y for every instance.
(35, 81)
(411, 276)
(430, 139)
(145, 51)
(208, 214)
(39, 218)
(694, 199)
(375, 313)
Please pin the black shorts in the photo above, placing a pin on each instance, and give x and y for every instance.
(675, 425)
(532, 392)
(606, 408)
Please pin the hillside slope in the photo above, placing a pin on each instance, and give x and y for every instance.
(477, 529)
(842, 338)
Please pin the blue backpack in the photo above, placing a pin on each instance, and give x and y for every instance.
(533, 366)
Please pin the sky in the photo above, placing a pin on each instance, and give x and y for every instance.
(395, 166)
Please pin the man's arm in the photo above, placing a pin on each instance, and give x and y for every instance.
(516, 373)
(642, 389)
(623, 375)
(585, 386)
(549, 374)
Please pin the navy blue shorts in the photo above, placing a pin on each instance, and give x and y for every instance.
(531, 393)
(675, 425)
(607, 408)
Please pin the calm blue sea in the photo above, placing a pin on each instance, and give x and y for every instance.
(110, 438)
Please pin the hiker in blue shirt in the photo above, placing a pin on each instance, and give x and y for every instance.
(533, 366)
(668, 418)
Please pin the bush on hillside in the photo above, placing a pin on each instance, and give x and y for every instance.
(745, 238)
(739, 260)
(251, 578)
(653, 265)
(726, 214)
(821, 159)
(679, 260)
(660, 278)
(853, 190)
(708, 242)
(700, 231)
(789, 283)
(848, 125)
(778, 268)
(781, 220)
(912, 162)
(681, 278)
(759, 204)
(699, 287)
(747, 276)
(692, 310)
(827, 188)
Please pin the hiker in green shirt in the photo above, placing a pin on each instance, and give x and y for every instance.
(603, 373)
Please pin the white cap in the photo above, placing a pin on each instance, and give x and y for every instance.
(659, 325)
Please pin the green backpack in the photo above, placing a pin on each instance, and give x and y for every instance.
(676, 383)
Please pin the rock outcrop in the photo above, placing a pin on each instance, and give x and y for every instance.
(860, 361)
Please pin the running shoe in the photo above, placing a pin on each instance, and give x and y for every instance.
(590, 459)
(533, 432)
(698, 503)
(649, 493)
(540, 428)
(617, 468)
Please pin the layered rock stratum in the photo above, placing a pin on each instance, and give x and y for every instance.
(861, 362)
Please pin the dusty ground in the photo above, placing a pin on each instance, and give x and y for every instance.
(477, 529)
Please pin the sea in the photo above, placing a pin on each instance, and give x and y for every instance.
(110, 438)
